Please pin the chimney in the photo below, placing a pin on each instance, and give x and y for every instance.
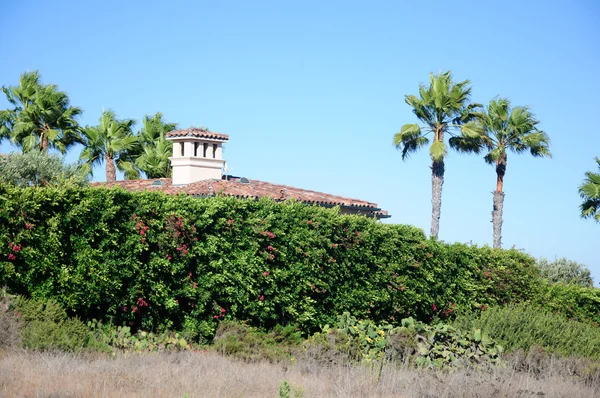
(197, 155)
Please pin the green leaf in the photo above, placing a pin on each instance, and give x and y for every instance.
(438, 150)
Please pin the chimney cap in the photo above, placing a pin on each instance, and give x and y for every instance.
(197, 133)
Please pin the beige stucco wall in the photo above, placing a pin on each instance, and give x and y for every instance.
(192, 165)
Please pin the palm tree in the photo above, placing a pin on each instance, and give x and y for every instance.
(42, 117)
(590, 193)
(155, 148)
(442, 107)
(113, 142)
(497, 130)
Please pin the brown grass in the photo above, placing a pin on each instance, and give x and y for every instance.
(208, 374)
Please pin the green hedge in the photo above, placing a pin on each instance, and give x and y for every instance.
(155, 261)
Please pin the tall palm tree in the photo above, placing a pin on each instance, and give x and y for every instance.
(590, 193)
(113, 143)
(499, 129)
(42, 116)
(443, 108)
(155, 148)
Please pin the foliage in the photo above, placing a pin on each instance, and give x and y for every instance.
(286, 391)
(37, 168)
(121, 338)
(44, 325)
(590, 193)
(156, 262)
(431, 346)
(111, 142)
(498, 129)
(250, 344)
(502, 128)
(155, 148)
(442, 107)
(575, 302)
(525, 326)
(42, 116)
(565, 271)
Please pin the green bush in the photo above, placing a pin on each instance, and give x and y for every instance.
(525, 326)
(45, 326)
(565, 271)
(156, 262)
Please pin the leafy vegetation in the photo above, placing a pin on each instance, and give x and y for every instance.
(157, 262)
(42, 116)
(590, 193)
(562, 270)
(442, 107)
(497, 130)
(38, 168)
(111, 142)
(525, 326)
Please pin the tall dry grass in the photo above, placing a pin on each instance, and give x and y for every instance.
(208, 374)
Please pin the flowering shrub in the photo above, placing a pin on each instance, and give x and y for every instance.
(155, 262)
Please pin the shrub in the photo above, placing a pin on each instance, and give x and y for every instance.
(156, 262)
(45, 326)
(250, 344)
(36, 168)
(565, 271)
(525, 326)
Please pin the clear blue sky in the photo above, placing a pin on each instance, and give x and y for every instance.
(312, 92)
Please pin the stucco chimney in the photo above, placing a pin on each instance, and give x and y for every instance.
(197, 155)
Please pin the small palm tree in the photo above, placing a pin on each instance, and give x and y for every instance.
(590, 193)
(42, 117)
(497, 130)
(155, 148)
(443, 107)
(113, 142)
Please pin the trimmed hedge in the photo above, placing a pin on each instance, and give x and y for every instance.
(161, 262)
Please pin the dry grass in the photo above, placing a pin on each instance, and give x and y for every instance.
(207, 374)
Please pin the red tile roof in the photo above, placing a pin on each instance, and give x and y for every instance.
(197, 132)
(251, 189)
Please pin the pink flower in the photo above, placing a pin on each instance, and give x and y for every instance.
(270, 235)
(433, 306)
(262, 297)
(169, 257)
(125, 309)
(134, 309)
(223, 310)
(270, 248)
(266, 273)
(28, 226)
(11, 257)
(195, 286)
(216, 317)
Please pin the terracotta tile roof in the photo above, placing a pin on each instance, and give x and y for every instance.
(251, 189)
(199, 133)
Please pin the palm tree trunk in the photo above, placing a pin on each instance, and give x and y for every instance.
(437, 180)
(111, 171)
(499, 201)
(44, 141)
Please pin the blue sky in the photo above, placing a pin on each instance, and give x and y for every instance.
(311, 94)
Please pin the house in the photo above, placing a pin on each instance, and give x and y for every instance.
(198, 165)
